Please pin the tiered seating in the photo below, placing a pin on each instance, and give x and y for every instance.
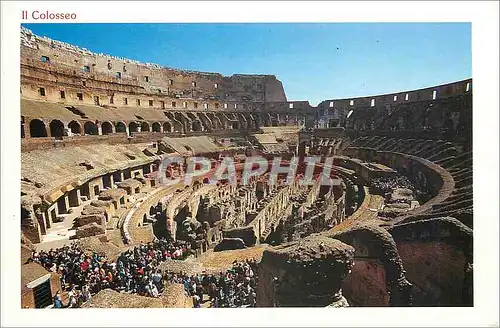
(452, 157)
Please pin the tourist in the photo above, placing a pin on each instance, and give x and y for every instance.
(196, 301)
(57, 301)
(87, 296)
(72, 298)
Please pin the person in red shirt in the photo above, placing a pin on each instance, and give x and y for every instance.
(84, 265)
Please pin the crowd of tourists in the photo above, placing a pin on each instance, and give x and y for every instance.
(236, 287)
(385, 185)
(135, 271)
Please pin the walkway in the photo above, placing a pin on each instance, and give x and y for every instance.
(59, 233)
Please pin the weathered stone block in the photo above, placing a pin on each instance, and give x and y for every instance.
(309, 272)
(247, 234)
(91, 229)
(86, 219)
(230, 243)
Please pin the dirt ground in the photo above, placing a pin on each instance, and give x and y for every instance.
(216, 261)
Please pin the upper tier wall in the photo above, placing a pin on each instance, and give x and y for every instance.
(58, 72)
(150, 78)
(431, 93)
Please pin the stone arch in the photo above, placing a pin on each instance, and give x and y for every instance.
(223, 120)
(274, 118)
(144, 127)
(90, 128)
(256, 120)
(133, 127)
(75, 127)
(120, 127)
(56, 129)
(186, 123)
(192, 117)
(196, 126)
(106, 128)
(205, 121)
(301, 120)
(37, 129)
(167, 127)
(265, 120)
(178, 126)
(156, 127)
(216, 122)
(243, 120)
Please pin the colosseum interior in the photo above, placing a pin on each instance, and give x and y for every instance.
(396, 230)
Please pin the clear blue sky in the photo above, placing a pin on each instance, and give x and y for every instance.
(372, 58)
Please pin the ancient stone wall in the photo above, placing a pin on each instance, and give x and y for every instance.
(366, 285)
(378, 258)
(442, 91)
(437, 257)
(120, 74)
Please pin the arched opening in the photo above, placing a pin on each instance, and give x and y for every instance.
(90, 128)
(207, 124)
(274, 120)
(178, 127)
(133, 127)
(243, 120)
(120, 127)
(253, 122)
(235, 125)
(144, 127)
(75, 127)
(107, 128)
(156, 127)
(196, 126)
(265, 120)
(56, 129)
(37, 129)
(216, 122)
(167, 127)
(222, 121)
(22, 127)
(96, 190)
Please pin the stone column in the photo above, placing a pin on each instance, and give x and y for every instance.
(66, 202)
